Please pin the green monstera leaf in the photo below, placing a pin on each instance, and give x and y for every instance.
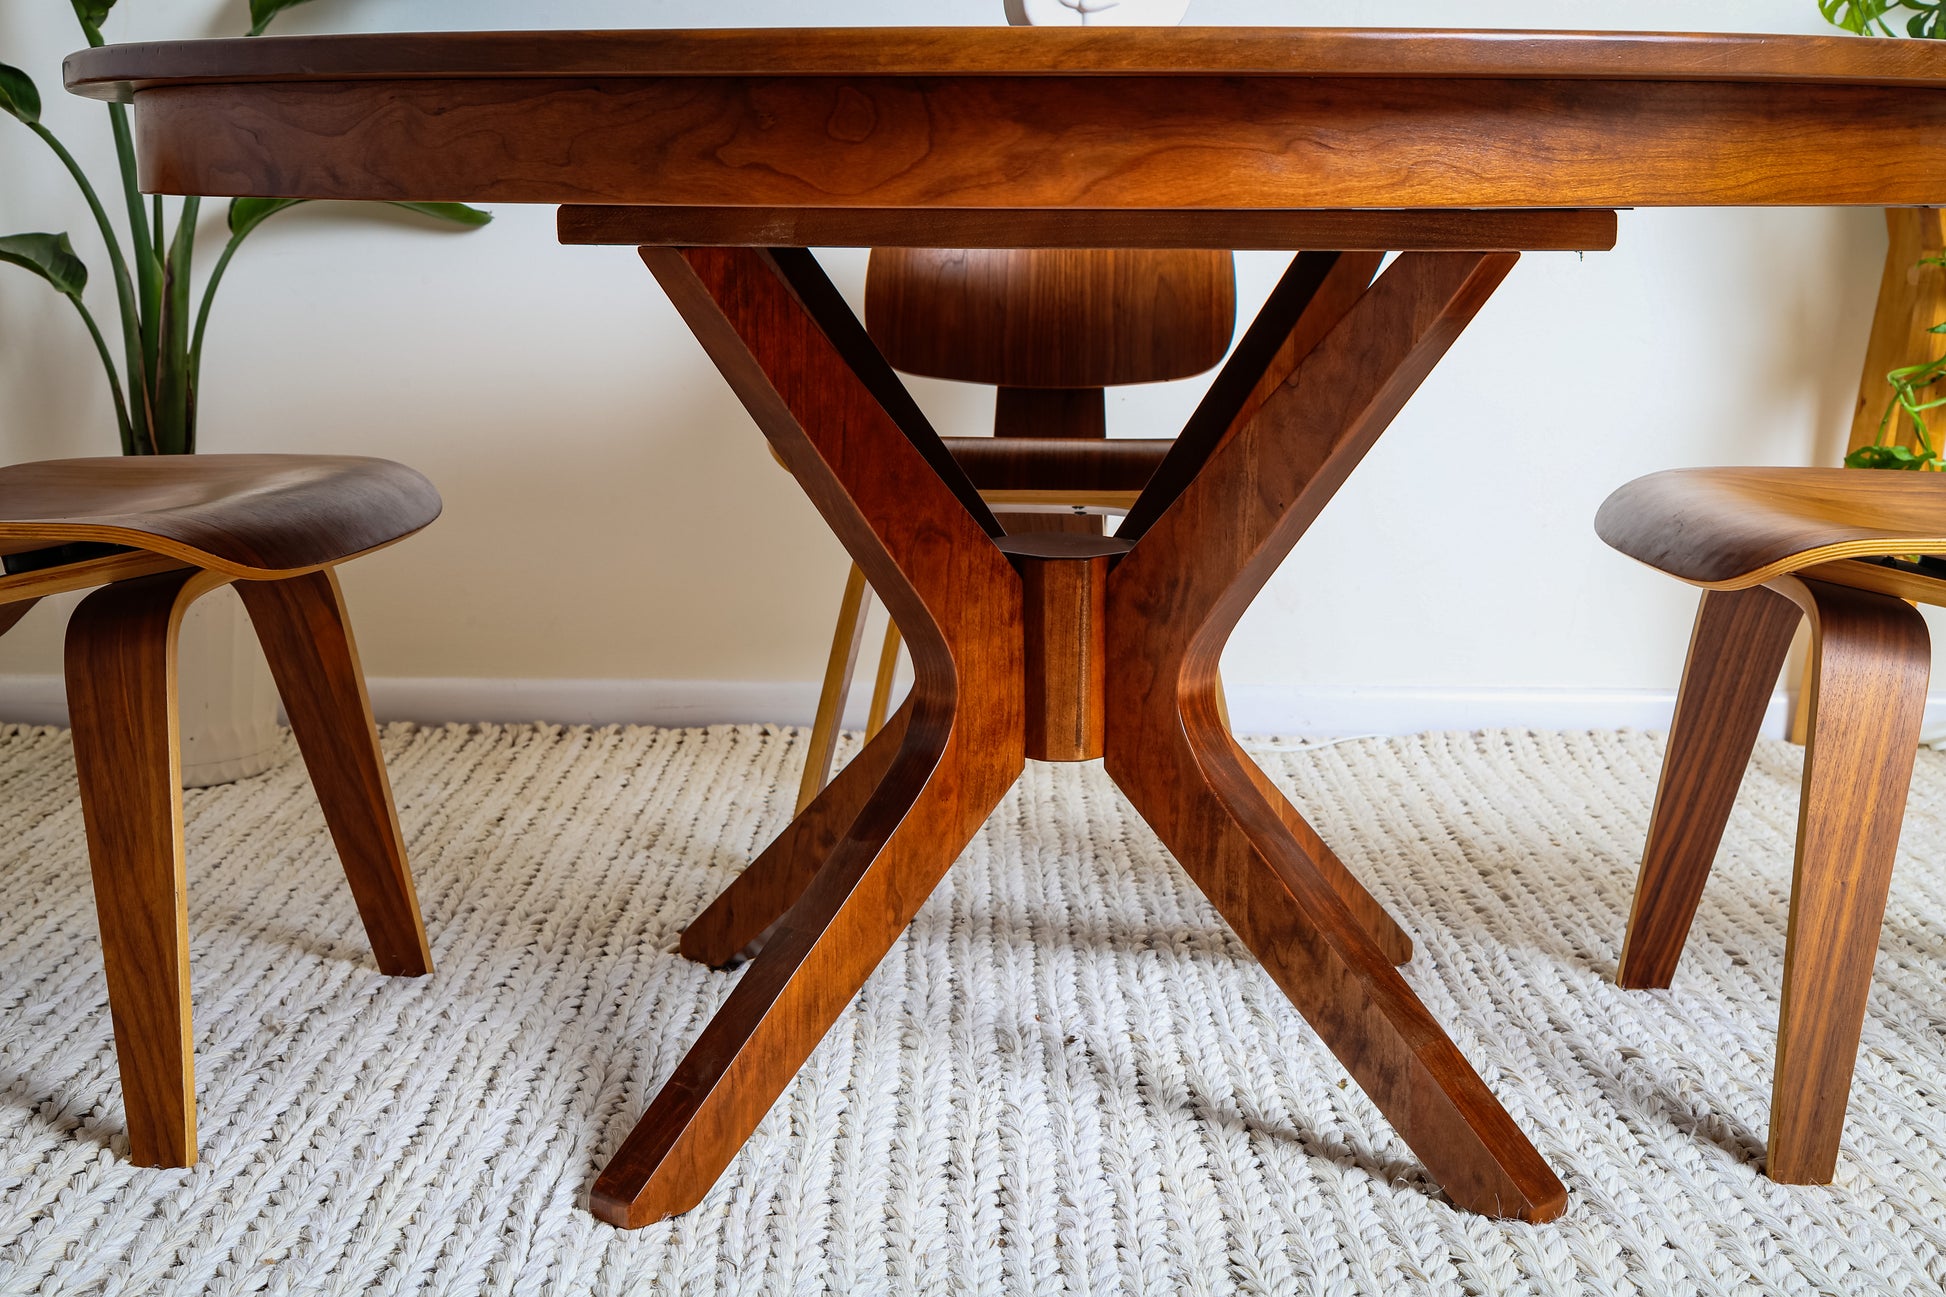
(50, 256)
(18, 95)
(1925, 18)
(262, 12)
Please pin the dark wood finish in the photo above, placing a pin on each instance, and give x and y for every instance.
(1173, 602)
(1200, 136)
(867, 365)
(1424, 230)
(243, 515)
(1730, 528)
(1213, 143)
(1873, 659)
(1334, 961)
(958, 603)
(197, 523)
(1870, 663)
(1735, 654)
(121, 678)
(121, 683)
(1085, 467)
(944, 51)
(1045, 414)
(740, 919)
(1010, 318)
(1064, 599)
(1049, 413)
(306, 635)
(1309, 300)
(1080, 318)
(1050, 329)
(11, 613)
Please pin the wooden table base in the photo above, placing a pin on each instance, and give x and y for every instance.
(1326, 366)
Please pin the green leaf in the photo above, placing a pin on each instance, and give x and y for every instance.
(1852, 15)
(1925, 18)
(1887, 457)
(93, 13)
(50, 256)
(262, 12)
(453, 213)
(18, 97)
(246, 214)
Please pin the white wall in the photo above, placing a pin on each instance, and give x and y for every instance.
(612, 516)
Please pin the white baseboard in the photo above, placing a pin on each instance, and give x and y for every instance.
(595, 702)
(1254, 709)
(1340, 711)
(33, 700)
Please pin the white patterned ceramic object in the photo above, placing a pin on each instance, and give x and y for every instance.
(1096, 13)
(228, 702)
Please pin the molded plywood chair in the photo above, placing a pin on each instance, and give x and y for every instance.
(157, 533)
(1769, 546)
(1050, 329)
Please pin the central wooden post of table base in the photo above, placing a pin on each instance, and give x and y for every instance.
(1068, 647)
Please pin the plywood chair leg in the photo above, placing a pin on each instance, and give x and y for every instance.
(121, 680)
(1869, 696)
(1801, 705)
(1735, 652)
(11, 613)
(306, 635)
(838, 670)
(888, 668)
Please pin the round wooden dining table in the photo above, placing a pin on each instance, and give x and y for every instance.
(723, 155)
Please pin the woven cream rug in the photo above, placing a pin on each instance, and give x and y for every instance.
(1067, 1078)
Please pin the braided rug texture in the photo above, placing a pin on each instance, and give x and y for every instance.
(1068, 1077)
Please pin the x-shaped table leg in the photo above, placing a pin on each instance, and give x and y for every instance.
(1308, 390)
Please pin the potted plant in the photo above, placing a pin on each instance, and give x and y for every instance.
(153, 365)
(1891, 428)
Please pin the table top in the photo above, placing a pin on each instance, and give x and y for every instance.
(119, 70)
(1127, 119)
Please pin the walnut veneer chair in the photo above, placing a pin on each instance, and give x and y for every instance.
(1769, 546)
(1051, 329)
(155, 534)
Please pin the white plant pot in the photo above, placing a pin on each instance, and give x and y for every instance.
(1096, 13)
(228, 701)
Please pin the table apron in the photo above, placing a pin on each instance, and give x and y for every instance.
(1178, 142)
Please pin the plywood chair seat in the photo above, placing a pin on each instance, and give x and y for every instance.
(1772, 547)
(1733, 528)
(155, 534)
(246, 516)
(1071, 467)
